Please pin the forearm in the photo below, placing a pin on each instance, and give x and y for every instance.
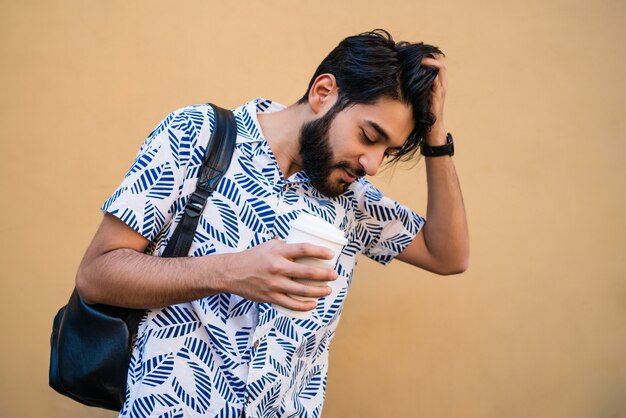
(445, 232)
(128, 278)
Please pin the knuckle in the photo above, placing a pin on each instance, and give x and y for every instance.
(321, 292)
(273, 243)
(309, 291)
(273, 267)
(273, 285)
(297, 307)
(302, 248)
(325, 274)
(304, 306)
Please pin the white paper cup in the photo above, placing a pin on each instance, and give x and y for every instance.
(313, 230)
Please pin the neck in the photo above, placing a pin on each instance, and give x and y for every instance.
(282, 131)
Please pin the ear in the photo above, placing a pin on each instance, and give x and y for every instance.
(323, 93)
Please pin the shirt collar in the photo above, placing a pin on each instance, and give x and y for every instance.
(250, 129)
(247, 114)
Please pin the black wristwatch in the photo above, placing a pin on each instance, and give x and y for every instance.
(447, 149)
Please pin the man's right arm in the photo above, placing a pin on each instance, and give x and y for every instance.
(115, 271)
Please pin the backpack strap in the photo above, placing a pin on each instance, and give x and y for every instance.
(217, 158)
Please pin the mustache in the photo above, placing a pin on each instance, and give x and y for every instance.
(357, 171)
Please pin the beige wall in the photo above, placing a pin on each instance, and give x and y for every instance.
(535, 328)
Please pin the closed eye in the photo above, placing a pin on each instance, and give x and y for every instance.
(365, 138)
(389, 152)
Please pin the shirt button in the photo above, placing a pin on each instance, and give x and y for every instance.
(256, 344)
(248, 399)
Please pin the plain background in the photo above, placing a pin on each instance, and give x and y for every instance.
(535, 328)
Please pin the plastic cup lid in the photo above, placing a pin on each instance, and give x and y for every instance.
(319, 227)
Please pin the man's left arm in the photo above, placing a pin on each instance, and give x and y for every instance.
(442, 245)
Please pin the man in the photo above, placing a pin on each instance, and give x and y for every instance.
(211, 343)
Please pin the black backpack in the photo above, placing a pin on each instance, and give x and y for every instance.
(91, 344)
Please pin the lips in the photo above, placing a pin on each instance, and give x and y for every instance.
(347, 176)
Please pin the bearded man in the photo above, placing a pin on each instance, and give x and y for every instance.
(211, 343)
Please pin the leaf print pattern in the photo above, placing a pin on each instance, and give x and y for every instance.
(217, 355)
(175, 321)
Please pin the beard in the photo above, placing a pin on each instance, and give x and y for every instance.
(317, 156)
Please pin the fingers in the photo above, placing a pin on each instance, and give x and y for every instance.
(300, 296)
(268, 273)
(436, 60)
(294, 304)
(285, 266)
(308, 289)
(301, 271)
(293, 251)
(439, 64)
(299, 290)
(292, 294)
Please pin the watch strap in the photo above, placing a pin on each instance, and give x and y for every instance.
(437, 151)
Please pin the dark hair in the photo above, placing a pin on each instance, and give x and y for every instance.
(371, 65)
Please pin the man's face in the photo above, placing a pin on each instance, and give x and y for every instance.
(337, 148)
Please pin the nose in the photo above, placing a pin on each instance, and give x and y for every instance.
(372, 160)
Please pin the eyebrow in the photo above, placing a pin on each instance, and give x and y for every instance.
(379, 129)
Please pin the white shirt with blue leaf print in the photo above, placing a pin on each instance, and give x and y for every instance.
(222, 355)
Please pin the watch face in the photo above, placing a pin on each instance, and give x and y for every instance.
(451, 143)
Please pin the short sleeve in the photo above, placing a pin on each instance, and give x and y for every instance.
(147, 197)
(389, 225)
